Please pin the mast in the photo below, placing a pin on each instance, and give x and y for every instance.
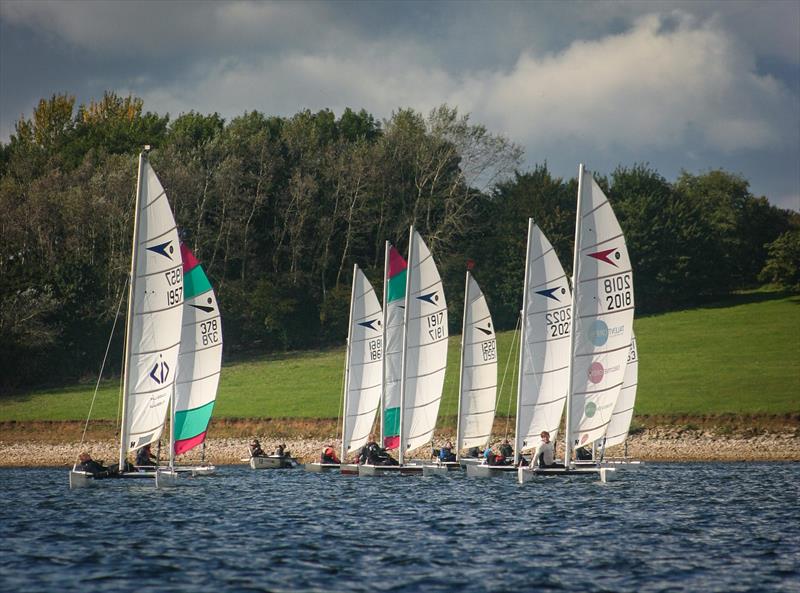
(573, 311)
(347, 362)
(383, 337)
(461, 366)
(123, 433)
(409, 275)
(524, 317)
(172, 424)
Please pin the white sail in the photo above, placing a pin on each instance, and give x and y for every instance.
(602, 316)
(425, 356)
(200, 357)
(155, 313)
(364, 363)
(623, 412)
(478, 391)
(544, 357)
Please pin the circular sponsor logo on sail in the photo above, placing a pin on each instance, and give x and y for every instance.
(598, 332)
(596, 372)
(590, 409)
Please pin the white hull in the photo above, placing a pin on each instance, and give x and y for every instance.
(476, 470)
(273, 462)
(441, 469)
(319, 468)
(349, 469)
(465, 461)
(197, 470)
(166, 478)
(81, 479)
(389, 470)
(525, 474)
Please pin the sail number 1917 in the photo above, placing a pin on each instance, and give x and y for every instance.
(436, 325)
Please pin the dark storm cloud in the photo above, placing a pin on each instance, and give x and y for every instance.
(681, 85)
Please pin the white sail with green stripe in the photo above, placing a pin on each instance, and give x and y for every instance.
(394, 295)
(200, 357)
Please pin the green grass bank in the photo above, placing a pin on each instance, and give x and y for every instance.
(738, 357)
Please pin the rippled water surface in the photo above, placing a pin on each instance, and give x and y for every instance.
(664, 527)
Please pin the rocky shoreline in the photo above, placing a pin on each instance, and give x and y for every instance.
(649, 444)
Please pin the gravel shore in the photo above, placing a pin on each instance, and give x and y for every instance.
(652, 444)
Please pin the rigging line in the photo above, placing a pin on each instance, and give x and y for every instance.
(505, 372)
(102, 366)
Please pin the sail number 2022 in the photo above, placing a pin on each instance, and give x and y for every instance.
(175, 290)
(618, 292)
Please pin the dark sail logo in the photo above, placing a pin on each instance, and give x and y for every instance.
(203, 308)
(550, 293)
(488, 332)
(370, 324)
(604, 255)
(429, 298)
(160, 372)
(162, 249)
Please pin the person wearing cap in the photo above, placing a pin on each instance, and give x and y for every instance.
(145, 458)
(255, 449)
(329, 455)
(507, 451)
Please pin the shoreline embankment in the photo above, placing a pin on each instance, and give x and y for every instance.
(29, 445)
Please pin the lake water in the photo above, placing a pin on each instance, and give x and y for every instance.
(664, 527)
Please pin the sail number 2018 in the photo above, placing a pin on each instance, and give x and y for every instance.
(618, 292)
(175, 290)
(435, 325)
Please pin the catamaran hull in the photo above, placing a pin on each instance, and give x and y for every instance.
(79, 479)
(390, 470)
(441, 469)
(349, 469)
(273, 462)
(319, 468)
(525, 475)
(197, 470)
(489, 471)
(166, 478)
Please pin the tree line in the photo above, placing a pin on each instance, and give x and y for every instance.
(278, 209)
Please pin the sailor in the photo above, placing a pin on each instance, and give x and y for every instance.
(281, 451)
(255, 449)
(446, 453)
(329, 455)
(545, 452)
(506, 450)
(89, 465)
(144, 457)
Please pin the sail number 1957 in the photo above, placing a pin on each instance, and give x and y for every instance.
(175, 290)
(435, 325)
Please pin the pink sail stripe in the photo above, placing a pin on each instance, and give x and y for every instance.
(396, 262)
(186, 444)
(189, 260)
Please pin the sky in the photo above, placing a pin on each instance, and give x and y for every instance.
(688, 86)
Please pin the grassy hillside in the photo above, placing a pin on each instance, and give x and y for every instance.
(738, 357)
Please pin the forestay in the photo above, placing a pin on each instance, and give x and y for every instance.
(425, 357)
(623, 412)
(155, 313)
(478, 385)
(200, 358)
(603, 315)
(544, 356)
(364, 364)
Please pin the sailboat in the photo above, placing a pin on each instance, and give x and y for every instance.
(617, 432)
(199, 365)
(544, 350)
(363, 372)
(415, 319)
(477, 377)
(154, 315)
(602, 325)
